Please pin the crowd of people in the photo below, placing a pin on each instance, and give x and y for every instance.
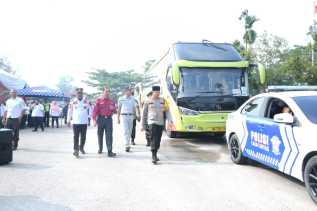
(79, 112)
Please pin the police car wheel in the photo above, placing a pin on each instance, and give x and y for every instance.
(310, 177)
(235, 150)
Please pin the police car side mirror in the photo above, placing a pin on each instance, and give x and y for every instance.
(284, 118)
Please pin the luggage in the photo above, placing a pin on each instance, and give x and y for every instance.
(6, 137)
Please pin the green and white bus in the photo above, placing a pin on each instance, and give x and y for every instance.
(202, 83)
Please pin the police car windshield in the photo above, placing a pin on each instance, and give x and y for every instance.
(308, 106)
(211, 81)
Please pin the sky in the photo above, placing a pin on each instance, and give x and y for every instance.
(47, 39)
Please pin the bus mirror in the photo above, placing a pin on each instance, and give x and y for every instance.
(262, 73)
(175, 76)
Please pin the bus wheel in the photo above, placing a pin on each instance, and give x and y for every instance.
(310, 177)
(235, 150)
(171, 134)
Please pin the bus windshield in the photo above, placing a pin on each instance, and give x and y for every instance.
(211, 82)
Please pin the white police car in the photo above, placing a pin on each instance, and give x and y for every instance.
(278, 130)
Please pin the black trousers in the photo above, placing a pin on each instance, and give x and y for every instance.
(14, 125)
(55, 119)
(47, 119)
(38, 122)
(105, 124)
(79, 130)
(147, 135)
(133, 130)
(156, 132)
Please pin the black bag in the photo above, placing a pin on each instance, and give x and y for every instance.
(6, 137)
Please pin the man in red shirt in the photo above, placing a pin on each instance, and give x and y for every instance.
(102, 116)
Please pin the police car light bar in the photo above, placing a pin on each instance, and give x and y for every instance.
(290, 88)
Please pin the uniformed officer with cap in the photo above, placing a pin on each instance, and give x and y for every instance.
(154, 112)
(127, 110)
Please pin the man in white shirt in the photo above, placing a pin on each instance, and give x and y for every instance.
(38, 115)
(78, 117)
(15, 107)
(127, 110)
(2, 111)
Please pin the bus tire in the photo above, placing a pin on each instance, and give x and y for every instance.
(310, 177)
(235, 150)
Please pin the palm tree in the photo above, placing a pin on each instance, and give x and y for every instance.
(250, 35)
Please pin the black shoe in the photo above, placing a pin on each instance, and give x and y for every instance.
(111, 154)
(82, 151)
(132, 142)
(148, 145)
(34, 130)
(99, 151)
(127, 149)
(76, 154)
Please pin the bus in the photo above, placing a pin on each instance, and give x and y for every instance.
(202, 83)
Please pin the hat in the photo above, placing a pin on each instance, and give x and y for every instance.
(79, 89)
(156, 88)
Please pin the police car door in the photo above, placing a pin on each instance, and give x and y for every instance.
(256, 142)
(270, 143)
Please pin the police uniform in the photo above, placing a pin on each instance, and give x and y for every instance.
(78, 116)
(127, 110)
(154, 113)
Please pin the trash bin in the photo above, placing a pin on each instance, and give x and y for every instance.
(6, 137)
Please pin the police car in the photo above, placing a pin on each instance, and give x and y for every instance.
(279, 130)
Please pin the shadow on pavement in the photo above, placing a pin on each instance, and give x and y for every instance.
(27, 166)
(28, 203)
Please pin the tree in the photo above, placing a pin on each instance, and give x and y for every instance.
(116, 81)
(250, 35)
(65, 84)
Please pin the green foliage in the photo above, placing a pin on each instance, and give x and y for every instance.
(116, 81)
(250, 35)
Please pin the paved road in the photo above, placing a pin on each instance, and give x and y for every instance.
(194, 174)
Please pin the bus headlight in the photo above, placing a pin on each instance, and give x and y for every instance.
(188, 112)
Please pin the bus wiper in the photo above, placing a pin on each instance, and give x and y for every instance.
(218, 92)
(208, 43)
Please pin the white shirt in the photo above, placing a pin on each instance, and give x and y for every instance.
(2, 110)
(78, 112)
(38, 111)
(15, 107)
(127, 104)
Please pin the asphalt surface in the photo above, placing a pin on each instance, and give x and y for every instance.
(194, 174)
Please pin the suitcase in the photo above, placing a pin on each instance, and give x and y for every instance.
(6, 137)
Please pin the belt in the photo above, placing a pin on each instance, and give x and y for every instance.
(106, 116)
(128, 114)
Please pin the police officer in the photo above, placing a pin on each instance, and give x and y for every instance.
(153, 115)
(127, 110)
(78, 116)
(102, 116)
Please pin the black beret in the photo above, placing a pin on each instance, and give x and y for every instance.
(156, 88)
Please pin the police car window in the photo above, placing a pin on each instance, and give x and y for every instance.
(276, 106)
(253, 108)
(308, 105)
